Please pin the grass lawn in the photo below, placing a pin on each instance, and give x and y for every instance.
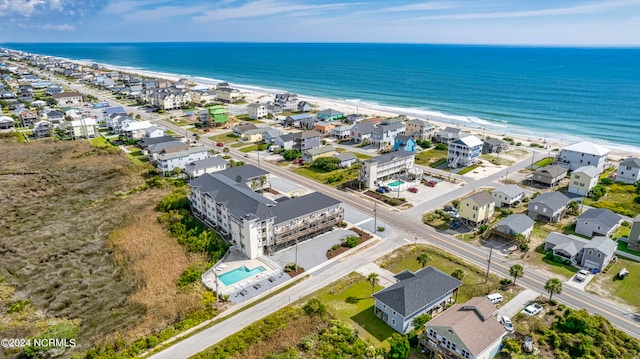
(467, 169)
(625, 289)
(238, 144)
(318, 175)
(100, 142)
(254, 147)
(474, 278)
(349, 299)
(536, 260)
(622, 231)
(544, 162)
(169, 132)
(429, 156)
(619, 198)
(361, 156)
(623, 246)
(226, 137)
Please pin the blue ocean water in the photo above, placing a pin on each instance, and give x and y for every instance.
(543, 92)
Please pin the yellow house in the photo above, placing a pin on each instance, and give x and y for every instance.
(253, 135)
(477, 208)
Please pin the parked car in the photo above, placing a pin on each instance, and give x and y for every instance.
(387, 188)
(582, 275)
(450, 208)
(381, 190)
(455, 225)
(220, 144)
(495, 298)
(413, 190)
(532, 309)
(453, 214)
(431, 183)
(506, 322)
(247, 155)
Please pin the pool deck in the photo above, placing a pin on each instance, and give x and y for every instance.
(234, 260)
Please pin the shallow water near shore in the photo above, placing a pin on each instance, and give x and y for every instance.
(568, 94)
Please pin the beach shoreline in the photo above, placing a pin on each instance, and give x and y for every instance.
(551, 142)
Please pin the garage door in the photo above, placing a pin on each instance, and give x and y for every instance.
(592, 264)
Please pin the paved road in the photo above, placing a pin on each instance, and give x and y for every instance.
(409, 225)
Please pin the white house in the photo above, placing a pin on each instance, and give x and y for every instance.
(464, 152)
(629, 171)
(583, 154)
(83, 128)
(256, 111)
(196, 169)
(153, 132)
(390, 166)
(167, 162)
(583, 179)
(136, 130)
(508, 195)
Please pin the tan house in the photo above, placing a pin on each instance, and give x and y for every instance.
(67, 98)
(477, 209)
(324, 127)
(318, 152)
(583, 179)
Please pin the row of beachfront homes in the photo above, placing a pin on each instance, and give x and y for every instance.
(468, 330)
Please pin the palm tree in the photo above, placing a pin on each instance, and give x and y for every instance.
(373, 279)
(516, 271)
(423, 259)
(554, 285)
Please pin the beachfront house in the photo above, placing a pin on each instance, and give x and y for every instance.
(414, 294)
(634, 234)
(405, 143)
(477, 209)
(197, 168)
(318, 152)
(464, 152)
(304, 106)
(287, 101)
(549, 176)
(508, 195)
(582, 154)
(294, 120)
(494, 145)
(228, 95)
(450, 134)
(167, 162)
(256, 111)
(513, 225)
(469, 330)
(549, 207)
(583, 179)
(329, 115)
(385, 133)
(257, 224)
(582, 253)
(598, 222)
(420, 130)
(362, 132)
(629, 171)
(390, 166)
(306, 140)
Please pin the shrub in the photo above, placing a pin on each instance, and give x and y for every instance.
(505, 281)
(606, 181)
(380, 229)
(442, 147)
(291, 267)
(518, 143)
(190, 275)
(351, 241)
(483, 228)
(314, 306)
(334, 247)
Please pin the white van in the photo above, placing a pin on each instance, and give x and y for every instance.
(495, 298)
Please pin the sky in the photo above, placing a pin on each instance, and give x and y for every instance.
(512, 22)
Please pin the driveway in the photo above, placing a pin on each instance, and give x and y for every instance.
(518, 303)
(311, 253)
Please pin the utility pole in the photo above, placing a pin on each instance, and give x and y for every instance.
(296, 254)
(375, 217)
(486, 279)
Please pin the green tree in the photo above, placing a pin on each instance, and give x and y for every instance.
(290, 155)
(351, 241)
(423, 259)
(314, 306)
(516, 271)
(573, 208)
(420, 321)
(327, 163)
(458, 274)
(373, 279)
(553, 286)
(399, 346)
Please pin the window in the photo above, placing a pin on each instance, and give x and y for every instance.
(394, 312)
(393, 322)
(599, 255)
(590, 252)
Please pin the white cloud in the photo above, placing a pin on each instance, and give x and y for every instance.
(63, 27)
(162, 12)
(128, 6)
(428, 6)
(259, 8)
(20, 7)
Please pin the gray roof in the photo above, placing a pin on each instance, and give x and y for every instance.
(402, 138)
(306, 134)
(299, 206)
(162, 146)
(603, 244)
(631, 162)
(345, 156)
(331, 112)
(482, 198)
(146, 142)
(511, 190)
(188, 151)
(271, 132)
(602, 215)
(517, 222)
(388, 157)
(363, 127)
(590, 171)
(568, 243)
(215, 161)
(389, 126)
(554, 200)
(245, 127)
(245, 172)
(416, 291)
(553, 170)
(287, 137)
(299, 117)
(320, 150)
(494, 141)
(255, 105)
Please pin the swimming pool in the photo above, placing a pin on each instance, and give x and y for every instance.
(395, 183)
(239, 274)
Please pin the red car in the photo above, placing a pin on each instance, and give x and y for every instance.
(220, 144)
(413, 190)
(431, 183)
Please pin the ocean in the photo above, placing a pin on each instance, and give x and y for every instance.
(568, 94)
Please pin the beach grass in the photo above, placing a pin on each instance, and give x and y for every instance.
(361, 156)
(468, 169)
(334, 178)
(497, 160)
(619, 198)
(544, 162)
(427, 157)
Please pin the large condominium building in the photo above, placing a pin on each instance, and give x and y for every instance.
(258, 225)
(393, 165)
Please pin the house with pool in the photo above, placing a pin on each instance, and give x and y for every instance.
(395, 169)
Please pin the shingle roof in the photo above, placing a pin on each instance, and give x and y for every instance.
(494, 141)
(603, 244)
(482, 198)
(602, 215)
(245, 172)
(363, 127)
(631, 162)
(568, 243)
(590, 171)
(554, 200)
(188, 151)
(517, 222)
(414, 293)
(306, 134)
(299, 117)
(552, 170)
(215, 161)
(388, 157)
(473, 322)
(300, 206)
(331, 112)
(345, 156)
(511, 190)
(320, 150)
(587, 147)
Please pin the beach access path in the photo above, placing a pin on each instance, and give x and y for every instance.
(406, 228)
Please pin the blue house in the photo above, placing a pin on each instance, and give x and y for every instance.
(329, 115)
(405, 143)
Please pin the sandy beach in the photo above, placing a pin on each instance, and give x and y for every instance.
(257, 94)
